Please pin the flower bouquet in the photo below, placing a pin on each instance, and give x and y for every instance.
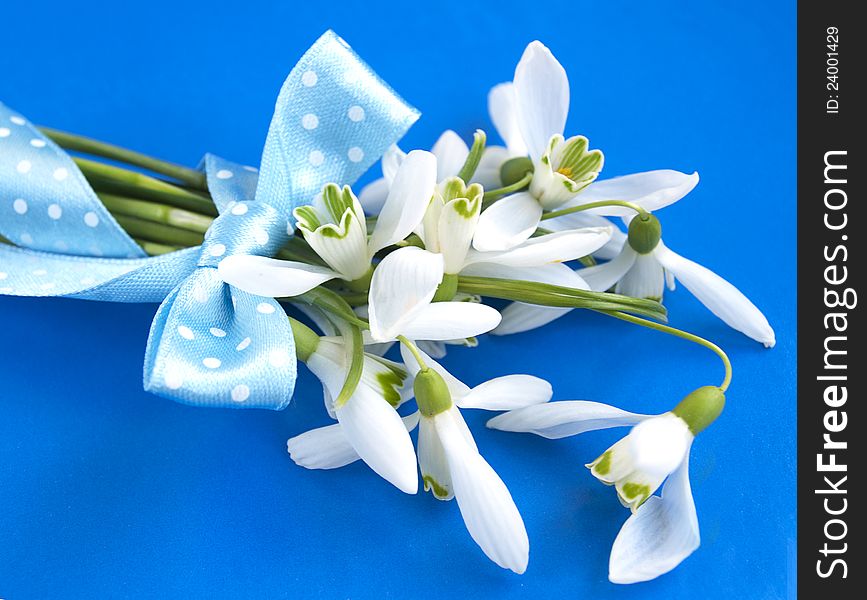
(379, 281)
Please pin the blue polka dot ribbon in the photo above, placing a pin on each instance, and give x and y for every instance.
(210, 344)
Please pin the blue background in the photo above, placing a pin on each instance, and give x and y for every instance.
(106, 491)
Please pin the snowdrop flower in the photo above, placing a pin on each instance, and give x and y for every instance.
(335, 228)
(448, 457)
(662, 530)
(368, 420)
(451, 153)
(530, 114)
(400, 301)
(450, 223)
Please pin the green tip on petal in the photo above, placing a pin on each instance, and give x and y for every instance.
(701, 408)
(645, 231)
(433, 486)
(431, 393)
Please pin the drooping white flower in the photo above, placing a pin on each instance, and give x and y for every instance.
(451, 153)
(400, 301)
(530, 115)
(335, 228)
(662, 530)
(368, 419)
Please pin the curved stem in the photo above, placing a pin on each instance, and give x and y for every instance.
(683, 335)
(492, 195)
(414, 350)
(568, 211)
(79, 143)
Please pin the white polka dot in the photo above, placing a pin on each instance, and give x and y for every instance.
(309, 121)
(243, 345)
(54, 211)
(218, 250)
(278, 358)
(212, 363)
(61, 245)
(240, 392)
(316, 158)
(185, 332)
(309, 78)
(261, 237)
(356, 113)
(23, 167)
(60, 174)
(40, 272)
(19, 205)
(200, 294)
(26, 238)
(251, 169)
(355, 154)
(265, 308)
(240, 209)
(4, 132)
(91, 219)
(224, 174)
(17, 120)
(3, 275)
(37, 143)
(87, 281)
(46, 286)
(173, 378)
(217, 332)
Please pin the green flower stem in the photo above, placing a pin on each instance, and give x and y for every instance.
(574, 209)
(474, 157)
(306, 340)
(414, 351)
(492, 195)
(158, 232)
(154, 248)
(553, 295)
(159, 213)
(78, 143)
(115, 180)
(683, 335)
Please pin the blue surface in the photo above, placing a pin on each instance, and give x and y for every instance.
(106, 491)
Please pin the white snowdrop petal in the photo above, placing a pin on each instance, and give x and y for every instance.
(602, 278)
(652, 190)
(486, 505)
(719, 296)
(507, 223)
(322, 448)
(553, 247)
(519, 317)
(373, 196)
(407, 200)
(455, 231)
(450, 321)
(502, 106)
(379, 437)
(659, 535)
(272, 277)
(645, 279)
(556, 420)
(541, 90)
(451, 152)
(432, 461)
(402, 285)
(508, 393)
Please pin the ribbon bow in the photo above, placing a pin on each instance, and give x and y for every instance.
(210, 344)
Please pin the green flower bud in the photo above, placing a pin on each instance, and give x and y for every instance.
(645, 232)
(431, 393)
(701, 408)
(513, 170)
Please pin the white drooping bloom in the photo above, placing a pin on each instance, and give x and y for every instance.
(335, 227)
(451, 153)
(368, 420)
(400, 301)
(662, 530)
(644, 274)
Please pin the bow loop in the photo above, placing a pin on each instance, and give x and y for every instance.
(245, 228)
